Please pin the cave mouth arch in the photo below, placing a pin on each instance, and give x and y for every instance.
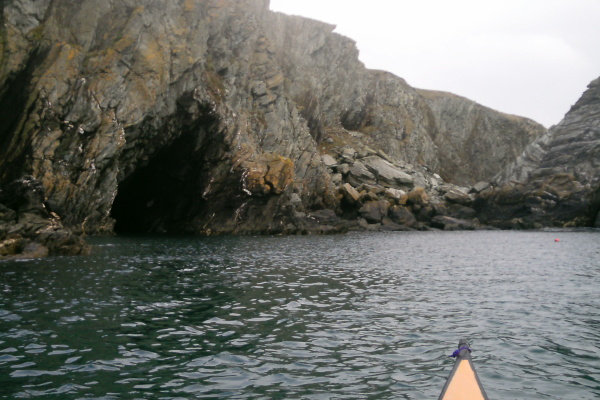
(165, 193)
(155, 197)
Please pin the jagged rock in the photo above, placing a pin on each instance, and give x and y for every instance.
(343, 169)
(556, 181)
(350, 193)
(418, 196)
(348, 155)
(268, 174)
(451, 224)
(376, 189)
(387, 225)
(479, 187)
(457, 196)
(401, 215)
(360, 174)
(336, 178)
(395, 194)
(374, 211)
(28, 230)
(329, 161)
(386, 174)
(367, 196)
(365, 225)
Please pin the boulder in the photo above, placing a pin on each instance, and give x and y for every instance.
(425, 213)
(374, 211)
(479, 187)
(402, 215)
(418, 196)
(451, 224)
(395, 194)
(461, 212)
(351, 195)
(328, 160)
(387, 225)
(343, 169)
(457, 196)
(368, 196)
(378, 190)
(29, 230)
(348, 155)
(386, 173)
(359, 174)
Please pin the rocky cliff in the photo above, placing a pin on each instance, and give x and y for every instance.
(556, 181)
(214, 116)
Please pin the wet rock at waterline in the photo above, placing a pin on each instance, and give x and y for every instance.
(556, 181)
(28, 227)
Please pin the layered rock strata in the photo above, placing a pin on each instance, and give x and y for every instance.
(556, 181)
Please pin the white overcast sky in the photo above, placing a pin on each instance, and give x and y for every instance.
(532, 58)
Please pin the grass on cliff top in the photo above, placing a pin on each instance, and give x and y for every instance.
(341, 138)
(435, 95)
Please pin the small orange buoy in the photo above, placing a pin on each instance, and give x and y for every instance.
(557, 240)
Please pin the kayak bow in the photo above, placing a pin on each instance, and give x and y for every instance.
(463, 382)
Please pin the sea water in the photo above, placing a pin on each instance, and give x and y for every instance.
(356, 316)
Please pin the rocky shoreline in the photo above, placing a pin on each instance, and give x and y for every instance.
(28, 229)
(218, 117)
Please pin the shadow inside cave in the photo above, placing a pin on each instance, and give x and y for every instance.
(165, 193)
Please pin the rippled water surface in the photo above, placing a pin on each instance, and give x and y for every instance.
(358, 316)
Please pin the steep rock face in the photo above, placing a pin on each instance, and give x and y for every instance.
(335, 93)
(205, 116)
(170, 116)
(473, 141)
(556, 181)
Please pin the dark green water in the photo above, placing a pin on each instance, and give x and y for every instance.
(359, 316)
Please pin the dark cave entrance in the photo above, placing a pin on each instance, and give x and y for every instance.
(165, 194)
(155, 197)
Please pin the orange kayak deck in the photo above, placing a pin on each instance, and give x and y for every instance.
(463, 382)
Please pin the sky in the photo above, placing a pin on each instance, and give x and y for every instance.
(532, 58)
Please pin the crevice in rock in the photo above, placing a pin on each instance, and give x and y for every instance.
(13, 101)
